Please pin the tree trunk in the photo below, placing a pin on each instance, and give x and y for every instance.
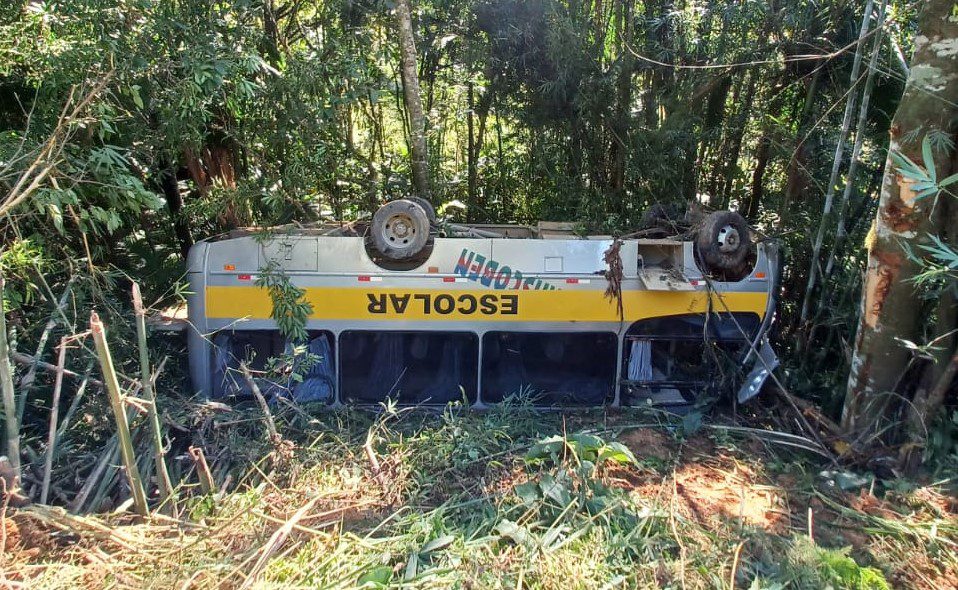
(622, 124)
(472, 154)
(797, 177)
(890, 312)
(413, 100)
(174, 201)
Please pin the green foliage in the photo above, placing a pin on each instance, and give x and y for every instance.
(818, 567)
(290, 310)
(583, 449)
(924, 180)
(941, 448)
(19, 260)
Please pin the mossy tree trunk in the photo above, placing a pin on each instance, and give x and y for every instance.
(891, 312)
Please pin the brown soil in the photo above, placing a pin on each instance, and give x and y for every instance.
(715, 496)
(649, 442)
(711, 487)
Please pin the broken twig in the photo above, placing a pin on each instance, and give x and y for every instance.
(203, 470)
(274, 435)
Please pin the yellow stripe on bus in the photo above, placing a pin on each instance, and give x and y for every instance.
(407, 304)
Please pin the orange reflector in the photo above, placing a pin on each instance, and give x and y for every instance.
(760, 275)
(432, 270)
(229, 267)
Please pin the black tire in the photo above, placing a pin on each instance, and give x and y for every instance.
(723, 241)
(427, 207)
(400, 229)
(661, 216)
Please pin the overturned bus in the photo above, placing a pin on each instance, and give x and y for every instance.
(424, 312)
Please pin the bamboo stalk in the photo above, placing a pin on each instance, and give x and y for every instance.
(164, 484)
(77, 398)
(28, 380)
(105, 459)
(6, 384)
(54, 415)
(860, 128)
(119, 411)
(203, 470)
(836, 163)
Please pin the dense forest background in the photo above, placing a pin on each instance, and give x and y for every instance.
(131, 128)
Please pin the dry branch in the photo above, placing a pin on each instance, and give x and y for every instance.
(203, 470)
(48, 155)
(27, 360)
(274, 435)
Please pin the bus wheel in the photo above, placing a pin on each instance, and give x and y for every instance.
(723, 241)
(427, 207)
(400, 229)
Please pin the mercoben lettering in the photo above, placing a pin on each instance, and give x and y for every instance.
(491, 273)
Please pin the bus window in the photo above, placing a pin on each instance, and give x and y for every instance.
(273, 363)
(426, 368)
(553, 368)
(673, 360)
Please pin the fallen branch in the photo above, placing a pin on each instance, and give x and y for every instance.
(63, 520)
(27, 360)
(107, 457)
(28, 380)
(276, 541)
(808, 408)
(371, 456)
(274, 435)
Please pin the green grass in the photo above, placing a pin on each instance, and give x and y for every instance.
(509, 498)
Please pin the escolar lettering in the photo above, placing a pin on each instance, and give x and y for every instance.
(442, 304)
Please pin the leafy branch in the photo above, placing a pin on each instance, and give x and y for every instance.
(924, 180)
(291, 310)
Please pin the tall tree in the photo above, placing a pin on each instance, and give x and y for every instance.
(413, 99)
(891, 313)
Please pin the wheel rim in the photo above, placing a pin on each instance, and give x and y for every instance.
(399, 229)
(728, 239)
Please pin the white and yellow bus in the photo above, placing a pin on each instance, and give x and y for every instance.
(486, 312)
